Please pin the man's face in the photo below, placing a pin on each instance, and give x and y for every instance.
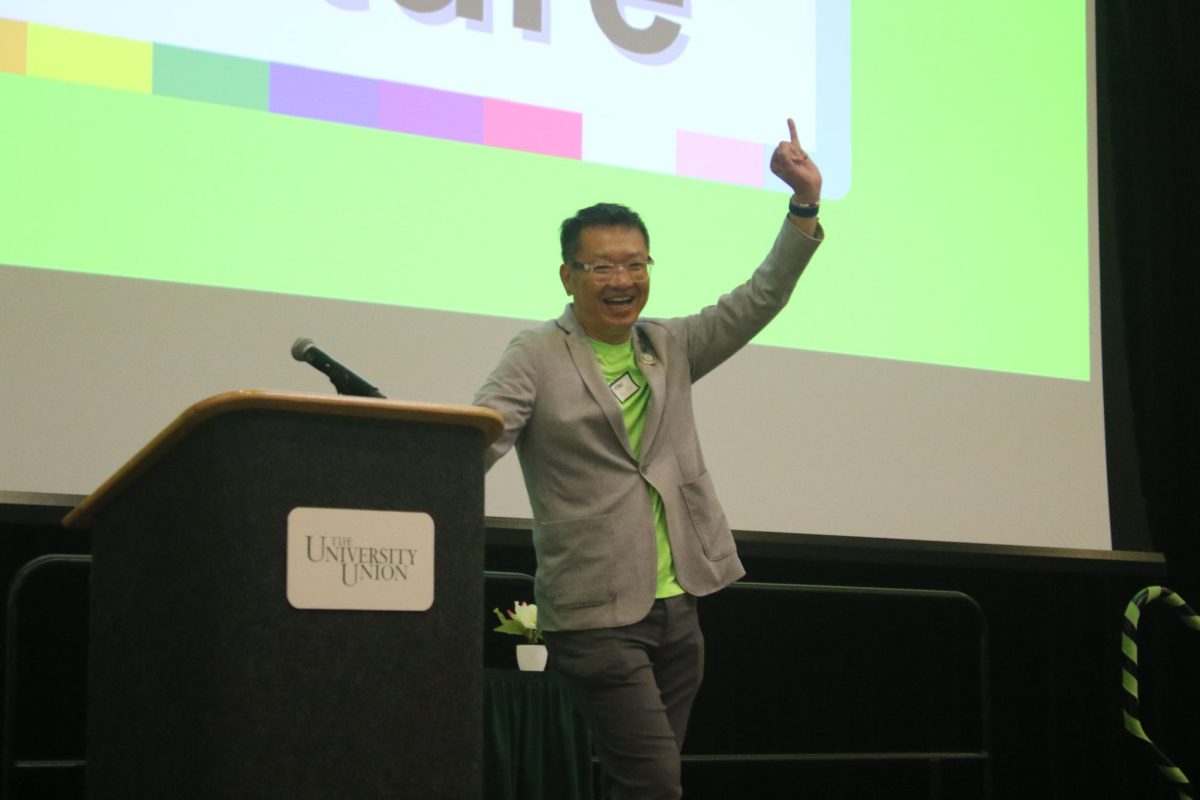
(607, 309)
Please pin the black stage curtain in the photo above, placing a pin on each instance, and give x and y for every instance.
(1148, 75)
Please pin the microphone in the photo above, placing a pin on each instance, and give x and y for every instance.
(345, 381)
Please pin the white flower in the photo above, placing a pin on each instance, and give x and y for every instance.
(520, 621)
(526, 614)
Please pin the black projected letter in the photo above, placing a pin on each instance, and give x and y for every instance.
(643, 41)
(470, 9)
(424, 6)
(527, 15)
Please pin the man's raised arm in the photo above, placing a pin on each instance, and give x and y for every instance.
(797, 170)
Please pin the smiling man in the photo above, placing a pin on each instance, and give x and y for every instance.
(627, 527)
(607, 272)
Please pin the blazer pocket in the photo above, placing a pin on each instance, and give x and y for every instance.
(708, 519)
(575, 561)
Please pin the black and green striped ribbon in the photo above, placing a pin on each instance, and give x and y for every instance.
(1129, 677)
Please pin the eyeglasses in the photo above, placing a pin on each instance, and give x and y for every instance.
(602, 273)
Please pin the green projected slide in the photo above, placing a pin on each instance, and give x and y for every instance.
(962, 241)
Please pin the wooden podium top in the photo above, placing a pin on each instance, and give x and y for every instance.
(487, 421)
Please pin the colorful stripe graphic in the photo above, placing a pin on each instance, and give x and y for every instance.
(716, 158)
(211, 78)
(515, 126)
(90, 58)
(12, 46)
(76, 57)
(329, 96)
(429, 112)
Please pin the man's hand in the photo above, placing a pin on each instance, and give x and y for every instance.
(796, 169)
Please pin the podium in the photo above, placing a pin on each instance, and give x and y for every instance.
(204, 680)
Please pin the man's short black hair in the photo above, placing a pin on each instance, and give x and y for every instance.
(601, 215)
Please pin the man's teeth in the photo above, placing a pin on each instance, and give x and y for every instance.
(618, 301)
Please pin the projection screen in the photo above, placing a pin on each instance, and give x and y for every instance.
(188, 187)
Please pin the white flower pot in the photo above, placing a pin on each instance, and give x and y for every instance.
(531, 657)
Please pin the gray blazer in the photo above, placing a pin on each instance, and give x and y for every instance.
(593, 529)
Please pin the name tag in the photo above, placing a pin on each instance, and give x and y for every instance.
(624, 387)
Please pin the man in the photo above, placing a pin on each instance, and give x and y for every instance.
(627, 528)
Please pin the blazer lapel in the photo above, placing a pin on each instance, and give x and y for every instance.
(654, 371)
(589, 372)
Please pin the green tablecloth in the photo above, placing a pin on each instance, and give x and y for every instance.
(535, 745)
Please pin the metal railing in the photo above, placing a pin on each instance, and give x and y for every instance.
(12, 615)
(935, 759)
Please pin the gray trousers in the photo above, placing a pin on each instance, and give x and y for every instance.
(635, 685)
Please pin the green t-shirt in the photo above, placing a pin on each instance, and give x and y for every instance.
(632, 393)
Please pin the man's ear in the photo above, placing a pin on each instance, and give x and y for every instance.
(564, 274)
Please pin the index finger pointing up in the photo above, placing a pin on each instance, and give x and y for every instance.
(792, 131)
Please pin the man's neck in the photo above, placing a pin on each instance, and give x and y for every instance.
(616, 339)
